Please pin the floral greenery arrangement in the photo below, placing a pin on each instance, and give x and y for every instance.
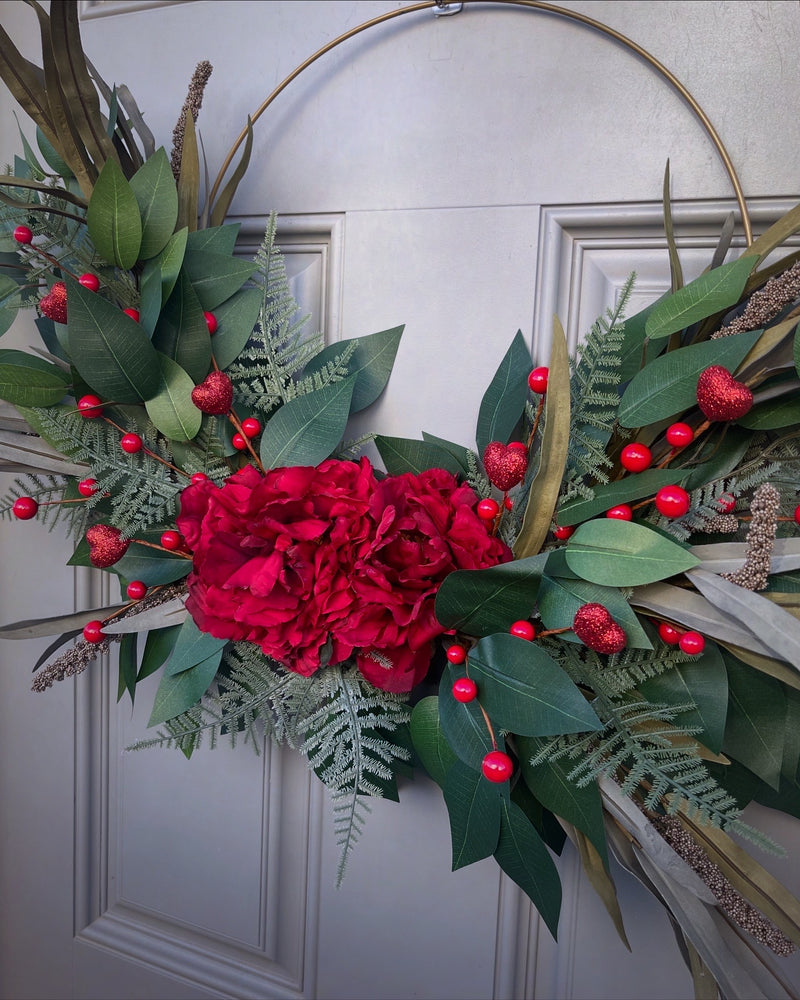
(586, 627)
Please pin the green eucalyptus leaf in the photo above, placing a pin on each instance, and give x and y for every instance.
(755, 726)
(128, 665)
(522, 855)
(178, 692)
(153, 186)
(214, 276)
(712, 292)
(624, 554)
(458, 451)
(214, 239)
(667, 386)
(481, 601)
(236, 318)
(51, 156)
(525, 691)
(560, 597)
(473, 805)
(371, 361)
(308, 428)
(170, 261)
(182, 332)
(191, 648)
(115, 226)
(702, 680)
(503, 402)
(772, 415)
(28, 380)
(552, 786)
(171, 409)
(111, 352)
(158, 648)
(637, 350)
(407, 455)
(429, 742)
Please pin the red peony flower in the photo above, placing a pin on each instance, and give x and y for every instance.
(316, 564)
(426, 527)
(274, 555)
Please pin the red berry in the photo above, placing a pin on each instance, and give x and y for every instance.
(622, 512)
(679, 435)
(517, 446)
(497, 766)
(90, 406)
(90, 281)
(251, 426)
(692, 643)
(563, 532)
(726, 503)
(464, 690)
(25, 508)
(636, 457)
(133, 313)
(23, 235)
(211, 322)
(172, 540)
(537, 380)
(456, 653)
(92, 631)
(131, 443)
(523, 630)
(672, 501)
(239, 441)
(669, 633)
(488, 509)
(87, 487)
(797, 515)
(198, 477)
(136, 590)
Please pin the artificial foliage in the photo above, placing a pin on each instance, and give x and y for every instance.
(582, 625)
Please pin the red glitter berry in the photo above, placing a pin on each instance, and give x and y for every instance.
(595, 627)
(54, 304)
(93, 631)
(537, 380)
(505, 465)
(25, 508)
(106, 545)
(720, 396)
(672, 501)
(497, 766)
(636, 457)
(214, 394)
(465, 690)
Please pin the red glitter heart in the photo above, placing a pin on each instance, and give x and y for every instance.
(214, 394)
(720, 396)
(505, 464)
(106, 545)
(596, 629)
(54, 304)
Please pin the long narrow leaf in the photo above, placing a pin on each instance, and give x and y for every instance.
(219, 211)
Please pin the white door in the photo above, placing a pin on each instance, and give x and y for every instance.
(467, 175)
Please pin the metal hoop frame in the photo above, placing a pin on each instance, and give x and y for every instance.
(536, 6)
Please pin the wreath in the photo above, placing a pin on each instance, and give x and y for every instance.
(584, 628)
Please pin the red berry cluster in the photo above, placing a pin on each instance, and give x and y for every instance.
(690, 642)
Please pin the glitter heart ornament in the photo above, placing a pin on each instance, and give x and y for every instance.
(214, 394)
(596, 629)
(720, 396)
(54, 304)
(106, 545)
(505, 464)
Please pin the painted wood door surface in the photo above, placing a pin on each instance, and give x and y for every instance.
(467, 175)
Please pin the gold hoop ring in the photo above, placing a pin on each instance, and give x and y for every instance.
(535, 5)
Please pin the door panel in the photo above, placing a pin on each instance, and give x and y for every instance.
(467, 176)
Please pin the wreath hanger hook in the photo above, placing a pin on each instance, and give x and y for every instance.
(441, 7)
